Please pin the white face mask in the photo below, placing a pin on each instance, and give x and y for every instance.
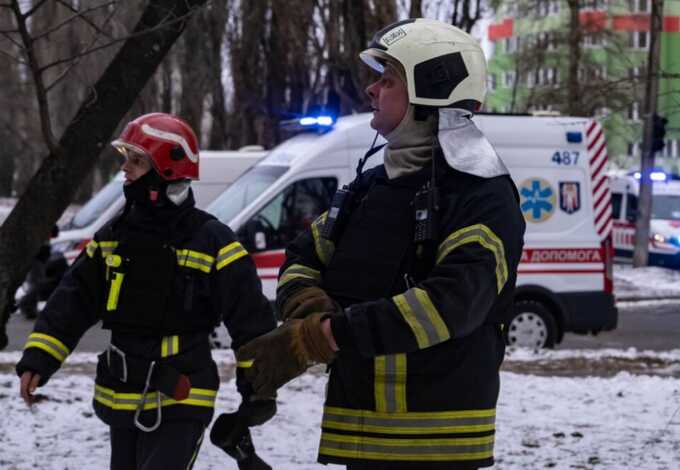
(178, 192)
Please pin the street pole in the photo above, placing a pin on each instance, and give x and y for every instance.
(641, 251)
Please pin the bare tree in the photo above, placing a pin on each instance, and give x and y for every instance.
(71, 157)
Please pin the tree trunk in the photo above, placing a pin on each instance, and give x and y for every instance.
(641, 251)
(575, 35)
(416, 9)
(53, 186)
(218, 106)
(194, 71)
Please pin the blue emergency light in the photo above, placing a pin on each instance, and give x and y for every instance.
(654, 176)
(310, 121)
(574, 137)
(321, 124)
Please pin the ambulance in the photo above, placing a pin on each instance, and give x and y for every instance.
(664, 226)
(218, 169)
(565, 276)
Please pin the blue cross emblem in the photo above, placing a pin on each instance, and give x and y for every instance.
(538, 200)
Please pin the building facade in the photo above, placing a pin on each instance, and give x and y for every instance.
(532, 67)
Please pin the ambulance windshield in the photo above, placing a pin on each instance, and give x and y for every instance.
(244, 191)
(666, 207)
(97, 205)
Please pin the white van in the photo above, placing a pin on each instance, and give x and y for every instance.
(217, 169)
(565, 277)
(664, 226)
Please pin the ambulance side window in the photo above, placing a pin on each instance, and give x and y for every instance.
(289, 213)
(616, 205)
(631, 208)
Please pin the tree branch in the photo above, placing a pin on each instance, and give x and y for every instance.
(41, 94)
(35, 8)
(13, 41)
(76, 60)
(115, 41)
(11, 57)
(72, 18)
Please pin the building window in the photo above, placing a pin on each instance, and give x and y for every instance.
(640, 6)
(509, 45)
(634, 73)
(509, 78)
(491, 81)
(638, 39)
(542, 8)
(593, 4)
(554, 6)
(593, 40)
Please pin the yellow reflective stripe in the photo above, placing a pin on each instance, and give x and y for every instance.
(114, 291)
(422, 316)
(195, 259)
(414, 449)
(483, 235)
(169, 346)
(107, 247)
(390, 383)
(91, 248)
(130, 401)
(324, 248)
(410, 422)
(245, 364)
(299, 271)
(229, 254)
(49, 344)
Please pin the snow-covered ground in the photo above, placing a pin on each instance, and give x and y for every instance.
(647, 282)
(619, 421)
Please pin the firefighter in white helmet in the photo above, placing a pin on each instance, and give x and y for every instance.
(402, 286)
(160, 277)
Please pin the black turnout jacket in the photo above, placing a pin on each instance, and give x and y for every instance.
(417, 375)
(160, 281)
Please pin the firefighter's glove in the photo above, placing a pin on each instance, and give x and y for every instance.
(279, 356)
(307, 301)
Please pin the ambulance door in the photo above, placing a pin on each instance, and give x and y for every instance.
(267, 233)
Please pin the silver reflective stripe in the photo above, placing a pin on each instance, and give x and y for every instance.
(390, 383)
(49, 344)
(229, 254)
(130, 401)
(196, 260)
(299, 271)
(430, 449)
(422, 317)
(324, 248)
(409, 422)
(483, 235)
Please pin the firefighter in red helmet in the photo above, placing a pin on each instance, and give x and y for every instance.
(160, 277)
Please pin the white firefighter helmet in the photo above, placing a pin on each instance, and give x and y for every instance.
(444, 65)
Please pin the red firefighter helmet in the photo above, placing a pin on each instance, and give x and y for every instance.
(167, 140)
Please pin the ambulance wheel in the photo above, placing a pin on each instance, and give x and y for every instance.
(532, 326)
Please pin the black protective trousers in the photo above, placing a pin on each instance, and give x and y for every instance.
(173, 446)
(402, 466)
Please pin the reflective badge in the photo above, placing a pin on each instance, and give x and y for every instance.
(570, 196)
(537, 200)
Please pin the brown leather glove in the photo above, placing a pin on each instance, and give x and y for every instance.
(279, 356)
(307, 301)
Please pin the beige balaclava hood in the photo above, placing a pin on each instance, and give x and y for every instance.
(409, 145)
